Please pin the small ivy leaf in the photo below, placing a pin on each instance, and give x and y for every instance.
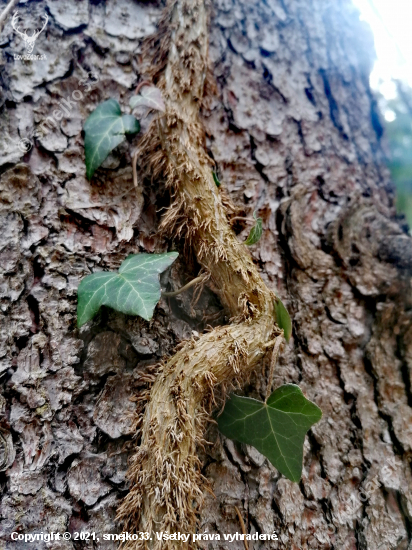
(134, 290)
(216, 180)
(255, 232)
(276, 428)
(104, 129)
(283, 319)
(151, 97)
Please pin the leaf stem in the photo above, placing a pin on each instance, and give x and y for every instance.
(242, 218)
(191, 283)
(278, 342)
(141, 85)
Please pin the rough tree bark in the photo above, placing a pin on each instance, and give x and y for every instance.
(294, 131)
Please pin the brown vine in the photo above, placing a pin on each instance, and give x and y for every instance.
(165, 471)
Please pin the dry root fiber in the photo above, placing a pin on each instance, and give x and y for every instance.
(166, 484)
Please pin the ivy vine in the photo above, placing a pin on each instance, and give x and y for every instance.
(277, 426)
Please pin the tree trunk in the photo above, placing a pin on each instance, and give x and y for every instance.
(295, 134)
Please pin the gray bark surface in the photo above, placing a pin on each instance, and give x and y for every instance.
(295, 134)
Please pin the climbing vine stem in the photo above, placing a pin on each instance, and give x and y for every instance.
(166, 482)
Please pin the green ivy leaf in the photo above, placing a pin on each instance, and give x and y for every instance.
(255, 232)
(276, 428)
(134, 290)
(283, 319)
(104, 129)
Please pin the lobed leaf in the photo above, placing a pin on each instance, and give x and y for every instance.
(276, 428)
(149, 96)
(134, 290)
(104, 129)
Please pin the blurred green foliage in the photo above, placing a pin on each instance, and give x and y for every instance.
(398, 124)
